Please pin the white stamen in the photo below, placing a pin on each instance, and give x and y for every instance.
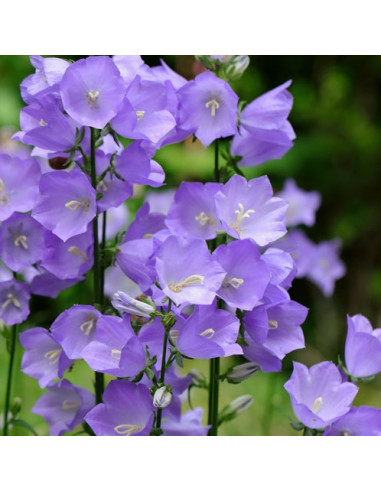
(115, 354)
(53, 356)
(241, 214)
(208, 333)
(102, 186)
(205, 219)
(4, 198)
(70, 404)
(318, 403)
(75, 205)
(87, 325)
(21, 240)
(273, 325)
(42, 122)
(213, 104)
(148, 235)
(139, 115)
(192, 279)
(234, 282)
(11, 299)
(128, 429)
(74, 250)
(92, 99)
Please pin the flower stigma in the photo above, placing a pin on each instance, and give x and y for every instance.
(128, 429)
(21, 241)
(92, 99)
(214, 103)
(234, 282)
(11, 299)
(273, 325)
(192, 279)
(75, 205)
(75, 251)
(70, 404)
(139, 115)
(53, 356)
(241, 214)
(87, 325)
(208, 333)
(204, 219)
(318, 403)
(115, 354)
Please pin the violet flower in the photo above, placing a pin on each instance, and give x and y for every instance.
(318, 395)
(127, 411)
(14, 302)
(362, 347)
(359, 421)
(302, 204)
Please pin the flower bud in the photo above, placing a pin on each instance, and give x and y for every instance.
(234, 408)
(127, 304)
(198, 378)
(243, 371)
(162, 397)
(236, 65)
(16, 406)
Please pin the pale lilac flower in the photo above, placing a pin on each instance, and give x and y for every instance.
(66, 204)
(362, 347)
(44, 358)
(208, 108)
(302, 204)
(64, 406)
(187, 271)
(359, 421)
(248, 209)
(124, 303)
(189, 424)
(127, 411)
(318, 395)
(92, 91)
(14, 302)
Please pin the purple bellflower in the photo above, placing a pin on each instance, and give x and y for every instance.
(44, 358)
(362, 347)
(318, 395)
(127, 411)
(247, 209)
(92, 91)
(359, 421)
(14, 302)
(64, 406)
(302, 204)
(66, 204)
(208, 108)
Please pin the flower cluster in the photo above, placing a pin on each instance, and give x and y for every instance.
(200, 273)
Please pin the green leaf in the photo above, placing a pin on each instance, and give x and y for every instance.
(22, 423)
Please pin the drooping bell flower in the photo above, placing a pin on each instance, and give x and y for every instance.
(208, 108)
(127, 411)
(14, 302)
(66, 204)
(15, 197)
(362, 347)
(302, 204)
(193, 212)
(247, 275)
(21, 241)
(64, 406)
(248, 209)
(187, 271)
(75, 328)
(92, 91)
(318, 394)
(43, 358)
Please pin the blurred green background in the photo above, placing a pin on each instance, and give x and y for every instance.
(336, 117)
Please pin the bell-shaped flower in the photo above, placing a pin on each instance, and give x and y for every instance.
(247, 275)
(92, 91)
(189, 424)
(75, 328)
(318, 395)
(66, 204)
(15, 197)
(248, 209)
(43, 358)
(193, 212)
(302, 204)
(208, 108)
(208, 333)
(362, 347)
(127, 411)
(64, 406)
(359, 421)
(21, 241)
(116, 349)
(187, 271)
(14, 302)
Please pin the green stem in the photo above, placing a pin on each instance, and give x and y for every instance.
(214, 379)
(99, 378)
(163, 366)
(103, 245)
(9, 382)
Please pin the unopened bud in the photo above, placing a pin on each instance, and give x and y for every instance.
(162, 397)
(234, 408)
(236, 65)
(169, 320)
(198, 378)
(242, 372)
(127, 304)
(16, 406)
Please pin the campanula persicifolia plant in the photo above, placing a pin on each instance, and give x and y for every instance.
(201, 272)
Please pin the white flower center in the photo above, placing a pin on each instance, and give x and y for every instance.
(208, 333)
(139, 115)
(42, 122)
(234, 282)
(174, 334)
(88, 325)
(115, 354)
(318, 403)
(11, 299)
(214, 103)
(92, 99)
(70, 404)
(75, 205)
(273, 325)
(53, 356)
(21, 241)
(75, 251)
(241, 214)
(204, 219)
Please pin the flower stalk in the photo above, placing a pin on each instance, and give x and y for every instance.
(9, 379)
